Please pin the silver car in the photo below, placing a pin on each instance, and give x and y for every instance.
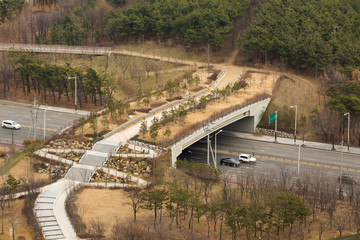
(10, 124)
(246, 158)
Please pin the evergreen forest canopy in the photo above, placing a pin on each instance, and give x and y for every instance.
(194, 22)
(52, 81)
(8, 8)
(307, 33)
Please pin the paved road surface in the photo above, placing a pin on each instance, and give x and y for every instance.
(22, 114)
(287, 151)
(263, 165)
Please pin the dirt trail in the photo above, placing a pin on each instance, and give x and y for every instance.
(230, 61)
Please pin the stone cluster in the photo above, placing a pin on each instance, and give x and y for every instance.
(125, 149)
(130, 165)
(65, 143)
(75, 156)
(101, 176)
(54, 171)
(271, 132)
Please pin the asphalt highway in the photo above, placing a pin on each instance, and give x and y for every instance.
(22, 114)
(231, 147)
(288, 151)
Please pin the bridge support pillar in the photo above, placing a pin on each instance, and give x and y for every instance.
(175, 152)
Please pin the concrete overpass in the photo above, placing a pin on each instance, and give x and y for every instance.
(244, 119)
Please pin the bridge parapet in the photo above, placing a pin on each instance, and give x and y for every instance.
(252, 109)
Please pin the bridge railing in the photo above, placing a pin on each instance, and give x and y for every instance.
(55, 48)
(200, 126)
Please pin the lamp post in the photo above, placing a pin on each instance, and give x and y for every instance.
(208, 150)
(348, 114)
(295, 106)
(142, 40)
(299, 158)
(45, 122)
(12, 228)
(75, 92)
(341, 165)
(216, 146)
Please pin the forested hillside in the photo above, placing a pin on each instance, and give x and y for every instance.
(8, 8)
(194, 22)
(309, 33)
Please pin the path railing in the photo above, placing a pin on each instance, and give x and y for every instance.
(200, 125)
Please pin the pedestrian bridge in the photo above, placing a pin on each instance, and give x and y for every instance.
(243, 119)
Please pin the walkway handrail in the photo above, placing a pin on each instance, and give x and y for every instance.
(199, 126)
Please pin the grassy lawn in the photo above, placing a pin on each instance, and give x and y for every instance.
(295, 91)
(12, 214)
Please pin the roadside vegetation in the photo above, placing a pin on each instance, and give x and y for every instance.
(317, 38)
(194, 202)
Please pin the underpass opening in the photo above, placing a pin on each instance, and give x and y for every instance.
(246, 124)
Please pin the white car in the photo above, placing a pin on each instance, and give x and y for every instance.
(10, 124)
(246, 158)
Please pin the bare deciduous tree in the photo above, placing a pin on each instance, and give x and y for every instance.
(340, 222)
(97, 230)
(135, 195)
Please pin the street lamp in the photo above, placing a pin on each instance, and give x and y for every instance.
(12, 228)
(348, 114)
(216, 147)
(142, 40)
(341, 165)
(299, 158)
(295, 106)
(45, 122)
(75, 92)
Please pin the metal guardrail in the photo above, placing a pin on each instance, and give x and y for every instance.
(303, 161)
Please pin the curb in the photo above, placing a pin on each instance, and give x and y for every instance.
(295, 145)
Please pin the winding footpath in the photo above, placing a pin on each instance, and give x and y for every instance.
(50, 204)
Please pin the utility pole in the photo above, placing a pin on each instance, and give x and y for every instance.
(295, 106)
(208, 58)
(142, 39)
(275, 126)
(12, 140)
(34, 117)
(97, 127)
(208, 150)
(163, 145)
(348, 133)
(341, 169)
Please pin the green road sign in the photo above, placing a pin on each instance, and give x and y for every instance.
(272, 118)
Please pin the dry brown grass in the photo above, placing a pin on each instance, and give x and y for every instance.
(110, 206)
(15, 213)
(158, 104)
(294, 91)
(24, 169)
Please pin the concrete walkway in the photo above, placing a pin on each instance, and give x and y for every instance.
(50, 209)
